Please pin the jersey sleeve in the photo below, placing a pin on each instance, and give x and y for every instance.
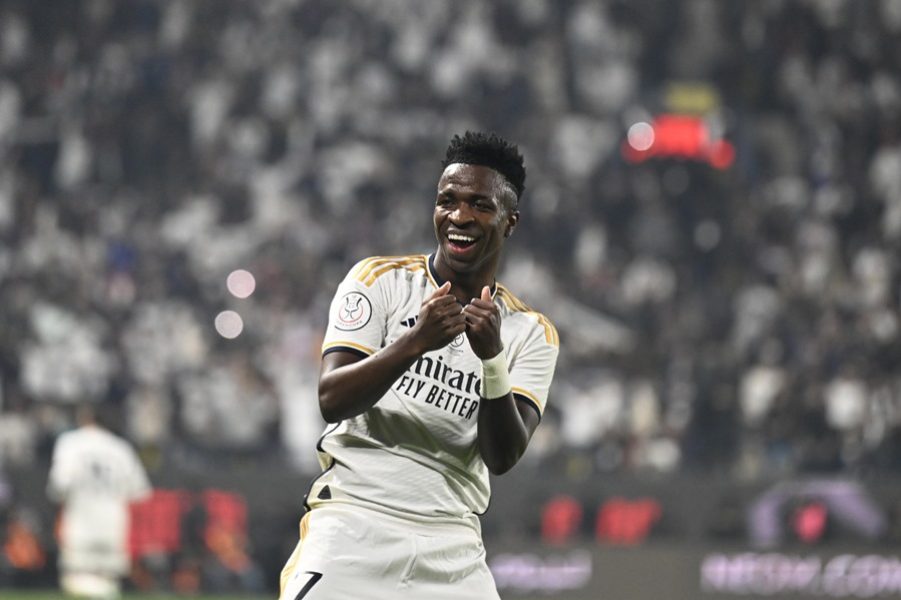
(357, 321)
(532, 367)
(59, 481)
(137, 482)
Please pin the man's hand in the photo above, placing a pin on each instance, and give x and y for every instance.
(483, 326)
(440, 320)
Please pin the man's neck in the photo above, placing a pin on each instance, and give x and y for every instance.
(464, 285)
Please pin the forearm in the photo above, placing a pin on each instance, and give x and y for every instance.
(503, 434)
(351, 389)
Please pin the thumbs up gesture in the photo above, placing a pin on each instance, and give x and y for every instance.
(440, 320)
(483, 325)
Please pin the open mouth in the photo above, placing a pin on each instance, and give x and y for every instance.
(460, 242)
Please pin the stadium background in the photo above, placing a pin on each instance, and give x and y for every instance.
(712, 219)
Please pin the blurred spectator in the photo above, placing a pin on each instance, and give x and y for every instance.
(23, 556)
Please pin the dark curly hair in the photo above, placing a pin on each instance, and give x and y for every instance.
(489, 150)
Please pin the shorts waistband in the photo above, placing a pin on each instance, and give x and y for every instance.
(422, 524)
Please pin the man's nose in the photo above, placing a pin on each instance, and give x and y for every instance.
(462, 213)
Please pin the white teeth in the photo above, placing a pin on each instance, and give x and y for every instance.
(460, 238)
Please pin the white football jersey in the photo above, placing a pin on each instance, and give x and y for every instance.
(415, 451)
(95, 474)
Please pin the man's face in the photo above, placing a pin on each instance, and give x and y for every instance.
(472, 216)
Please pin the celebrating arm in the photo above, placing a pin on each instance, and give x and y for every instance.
(349, 385)
(506, 424)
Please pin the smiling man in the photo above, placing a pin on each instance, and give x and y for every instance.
(433, 376)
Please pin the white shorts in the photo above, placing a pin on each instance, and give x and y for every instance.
(88, 585)
(358, 554)
(81, 556)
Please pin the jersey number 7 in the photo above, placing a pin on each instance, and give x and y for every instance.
(314, 578)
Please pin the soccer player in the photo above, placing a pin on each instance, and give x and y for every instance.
(95, 475)
(433, 375)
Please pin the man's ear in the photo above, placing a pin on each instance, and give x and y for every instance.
(512, 220)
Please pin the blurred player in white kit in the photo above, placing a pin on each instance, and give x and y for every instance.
(95, 475)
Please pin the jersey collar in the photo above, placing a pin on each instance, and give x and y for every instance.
(438, 280)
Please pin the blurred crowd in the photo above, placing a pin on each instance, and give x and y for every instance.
(743, 320)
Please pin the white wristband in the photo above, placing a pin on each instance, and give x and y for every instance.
(495, 379)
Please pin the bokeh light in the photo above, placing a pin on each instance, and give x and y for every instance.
(641, 136)
(241, 283)
(229, 324)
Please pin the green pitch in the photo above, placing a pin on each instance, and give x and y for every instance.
(20, 595)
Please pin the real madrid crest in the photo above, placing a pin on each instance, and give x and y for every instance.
(456, 344)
